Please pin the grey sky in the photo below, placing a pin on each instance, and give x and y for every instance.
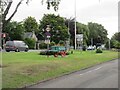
(104, 12)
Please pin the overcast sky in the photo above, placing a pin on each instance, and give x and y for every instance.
(104, 12)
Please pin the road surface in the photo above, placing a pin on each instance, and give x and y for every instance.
(101, 76)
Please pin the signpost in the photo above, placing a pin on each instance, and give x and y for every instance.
(79, 38)
(48, 35)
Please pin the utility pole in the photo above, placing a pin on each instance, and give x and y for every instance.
(75, 24)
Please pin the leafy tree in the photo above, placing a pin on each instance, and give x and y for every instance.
(116, 36)
(5, 6)
(83, 29)
(57, 25)
(97, 32)
(62, 43)
(52, 43)
(115, 40)
(70, 23)
(15, 30)
(30, 42)
(30, 24)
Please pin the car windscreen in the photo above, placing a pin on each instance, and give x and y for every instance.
(9, 43)
(19, 43)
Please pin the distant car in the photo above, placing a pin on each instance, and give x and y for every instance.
(71, 47)
(91, 48)
(16, 46)
(0, 48)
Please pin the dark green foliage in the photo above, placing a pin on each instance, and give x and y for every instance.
(52, 43)
(83, 29)
(15, 30)
(68, 53)
(43, 46)
(71, 52)
(30, 24)
(84, 48)
(58, 29)
(43, 53)
(98, 50)
(115, 40)
(46, 53)
(62, 43)
(53, 4)
(30, 43)
(98, 33)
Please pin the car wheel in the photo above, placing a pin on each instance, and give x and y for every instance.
(26, 50)
(17, 50)
(7, 51)
(56, 55)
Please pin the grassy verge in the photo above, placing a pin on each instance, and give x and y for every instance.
(21, 69)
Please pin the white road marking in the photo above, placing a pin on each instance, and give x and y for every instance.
(91, 70)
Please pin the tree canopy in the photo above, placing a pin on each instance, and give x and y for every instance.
(15, 30)
(57, 25)
(5, 6)
(30, 25)
(97, 32)
(115, 40)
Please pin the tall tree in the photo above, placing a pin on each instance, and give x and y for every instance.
(115, 40)
(5, 6)
(58, 28)
(70, 23)
(97, 33)
(15, 30)
(30, 25)
(83, 29)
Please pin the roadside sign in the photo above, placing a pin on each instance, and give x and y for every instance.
(47, 41)
(47, 34)
(79, 37)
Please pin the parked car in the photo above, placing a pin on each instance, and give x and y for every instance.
(16, 46)
(91, 48)
(0, 48)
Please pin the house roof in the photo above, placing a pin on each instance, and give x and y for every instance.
(28, 35)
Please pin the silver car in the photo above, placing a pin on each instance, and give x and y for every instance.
(16, 46)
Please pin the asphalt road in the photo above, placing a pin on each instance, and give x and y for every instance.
(101, 76)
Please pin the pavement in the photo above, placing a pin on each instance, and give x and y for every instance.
(100, 76)
(31, 50)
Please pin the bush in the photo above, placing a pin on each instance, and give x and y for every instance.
(61, 43)
(43, 53)
(68, 53)
(43, 46)
(52, 43)
(84, 48)
(72, 52)
(99, 50)
(30, 42)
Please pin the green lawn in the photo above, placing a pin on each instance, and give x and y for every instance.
(25, 68)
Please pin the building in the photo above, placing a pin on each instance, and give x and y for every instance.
(31, 35)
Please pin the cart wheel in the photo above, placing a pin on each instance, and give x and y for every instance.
(55, 55)
(62, 54)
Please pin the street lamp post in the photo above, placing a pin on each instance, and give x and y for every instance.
(68, 42)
